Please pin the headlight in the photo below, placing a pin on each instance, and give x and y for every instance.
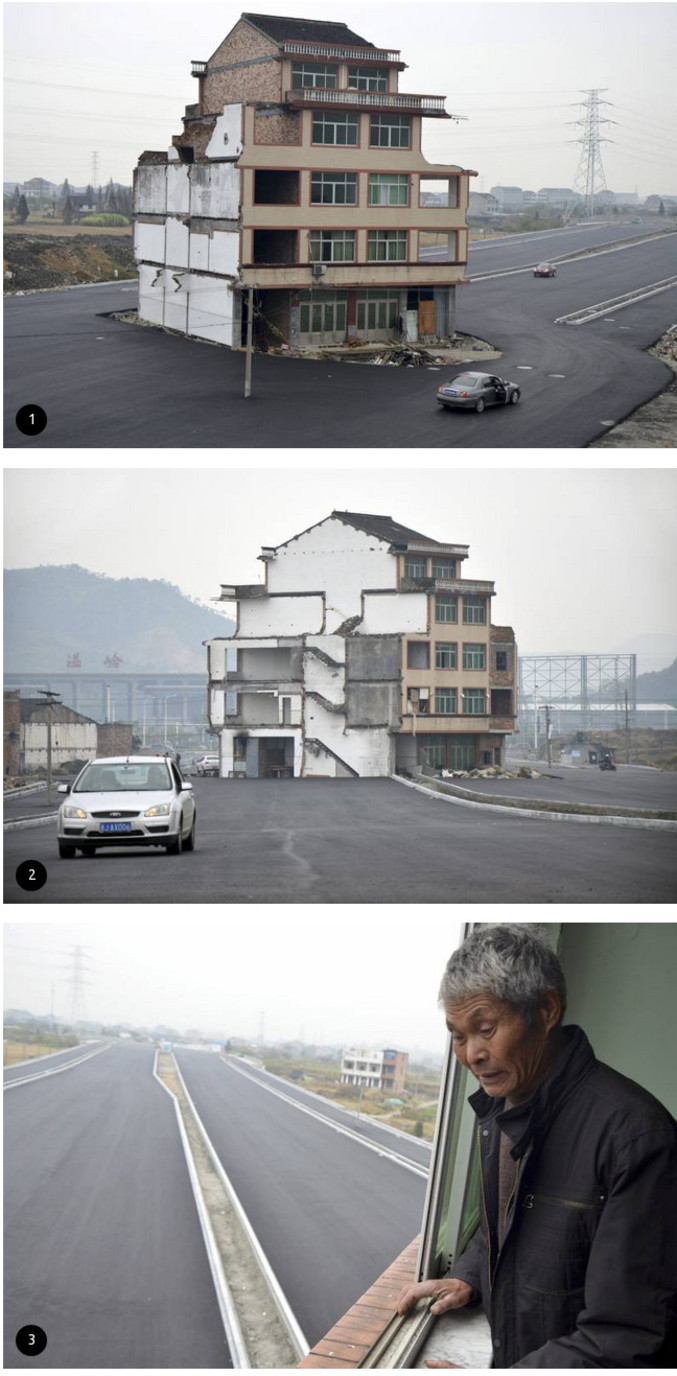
(160, 810)
(75, 812)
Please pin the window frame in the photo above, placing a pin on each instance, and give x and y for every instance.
(452, 695)
(334, 238)
(390, 123)
(473, 695)
(315, 69)
(473, 650)
(452, 598)
(387, 238)
(338, 119)
(389, 181)
(334, 178)
(375, 78)
(440, 647)
(474, 603)
(450, 563)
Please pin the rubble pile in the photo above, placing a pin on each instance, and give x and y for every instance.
(492, 771)
(34, 262)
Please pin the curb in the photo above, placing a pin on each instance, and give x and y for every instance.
(29, 822)
(605, 819)
(21, 792)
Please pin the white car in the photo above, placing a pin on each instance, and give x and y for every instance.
(208, 764)
(121, 801)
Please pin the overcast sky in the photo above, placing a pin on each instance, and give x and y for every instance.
(115, 78)
(583, 559)
(324, 976)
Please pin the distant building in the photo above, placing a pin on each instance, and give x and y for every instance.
(509, 198)
(555, 196)
(482, 203)
(74, 737)
(375, 1069)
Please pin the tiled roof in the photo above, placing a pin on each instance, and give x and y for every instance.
(34, 709)
(383, 527)
(280, 29)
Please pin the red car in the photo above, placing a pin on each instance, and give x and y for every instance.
(545, 270)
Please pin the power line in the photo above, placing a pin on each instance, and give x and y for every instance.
(93, 90)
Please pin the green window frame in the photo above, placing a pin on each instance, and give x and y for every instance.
(415, 566)
(474, 702)
(390, 131)
(333, 188)
(327, 315)
(313, 74)
(474, 656)
(388, 188)
(446, 702)
(446, 607)
(367, 78)
(335, 129)
(377, 310)
(474, 611)
(434, 751)
(387, 246)
(332, 245)
(445, 654)
(444, 568)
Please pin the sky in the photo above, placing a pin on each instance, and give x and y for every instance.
(330, 976)
(584, 560)
(114, 78)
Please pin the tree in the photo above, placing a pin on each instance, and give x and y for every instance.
(111, 201)
(661, 207)
(22, 211)
(89, 195)
(65, 192)
(14, 202)
(68, 211)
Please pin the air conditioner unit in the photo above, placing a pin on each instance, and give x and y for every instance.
(319, 269)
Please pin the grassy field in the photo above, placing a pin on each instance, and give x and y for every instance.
(420, 1093)
(13, 1052)
(56, 229)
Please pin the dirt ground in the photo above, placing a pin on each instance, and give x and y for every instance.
(654, 425)
(35, 262)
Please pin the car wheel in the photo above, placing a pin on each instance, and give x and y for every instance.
(175, 847)
(87, 850)
(514, 398)
(479, 406)
(66, 852)
(189, 843)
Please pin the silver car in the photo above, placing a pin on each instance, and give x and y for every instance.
(133, 800)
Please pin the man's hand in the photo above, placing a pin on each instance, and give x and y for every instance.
(449, 1294)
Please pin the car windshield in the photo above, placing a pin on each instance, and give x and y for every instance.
(468, 380)
(544, 265)
(124, 778)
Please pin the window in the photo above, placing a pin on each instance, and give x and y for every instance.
(333, 188)
(474, 657)
(474, 611)
(415, 567)
(334, 128)
(326, 315)
(305, 74)
(367, 78)
(445, 701)
(390, 131)
(473, 702)
(437, 246)
(501, 660)
(387, 246)
(390, 188)
(446, 607)
(445, 655)
(377, 310)
(444, 568)
(434, 751)
(332, 246)
(418, 700)
(437, 193)
(418, 654)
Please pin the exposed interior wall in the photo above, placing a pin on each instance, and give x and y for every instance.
(338, 559)
(397, 612)
(281, 616)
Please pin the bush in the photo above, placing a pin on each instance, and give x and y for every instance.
(105, 219)
(418, 1129)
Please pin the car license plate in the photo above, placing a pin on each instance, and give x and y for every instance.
(115, 826)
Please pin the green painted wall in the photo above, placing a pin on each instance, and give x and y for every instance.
(622, 983)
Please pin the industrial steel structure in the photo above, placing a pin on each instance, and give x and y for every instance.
(581, 692)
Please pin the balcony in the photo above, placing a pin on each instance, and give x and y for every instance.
(198, 68)
(391, 101)
(306, 48)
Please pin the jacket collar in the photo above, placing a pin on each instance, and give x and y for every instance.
(525, 1121)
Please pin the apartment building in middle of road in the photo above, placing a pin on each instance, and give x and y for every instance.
(364, 651)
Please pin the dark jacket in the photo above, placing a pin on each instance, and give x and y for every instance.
(587, 1273)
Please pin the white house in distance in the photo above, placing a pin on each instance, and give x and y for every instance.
(363, 651)
(374, 1069)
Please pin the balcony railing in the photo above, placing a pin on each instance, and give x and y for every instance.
(306, 48)
(369, 100)
(198, 68)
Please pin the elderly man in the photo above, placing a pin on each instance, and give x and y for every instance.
(575, 1259)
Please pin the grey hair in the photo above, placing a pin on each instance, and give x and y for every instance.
(513, 962)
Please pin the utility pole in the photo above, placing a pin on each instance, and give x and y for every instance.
(51, 699)
(627, 729)
(250, 336)
(548, 731)
(590, 177)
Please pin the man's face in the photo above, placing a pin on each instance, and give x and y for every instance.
(491, 1038)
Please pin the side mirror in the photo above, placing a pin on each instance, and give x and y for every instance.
(63, 788)
(186, 785)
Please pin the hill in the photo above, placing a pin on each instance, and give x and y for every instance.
(658, 687)
(54, 611)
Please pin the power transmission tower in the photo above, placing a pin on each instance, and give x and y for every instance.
(590, 178)
(77, 982)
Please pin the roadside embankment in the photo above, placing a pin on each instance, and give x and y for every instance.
(38, 262)
(548, 809)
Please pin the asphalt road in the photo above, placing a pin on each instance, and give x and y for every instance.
(415, 1150)
(103, 1248)
(35, 1068)
(546, 245)
(329, 1214)
(104, 384)
(358, 841)
(628, 787)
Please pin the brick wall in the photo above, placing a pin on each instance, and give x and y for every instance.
(255, 79)
(114, 738)
(282, 128)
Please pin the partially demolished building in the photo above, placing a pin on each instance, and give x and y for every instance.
(363, 651)
(299, 173)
